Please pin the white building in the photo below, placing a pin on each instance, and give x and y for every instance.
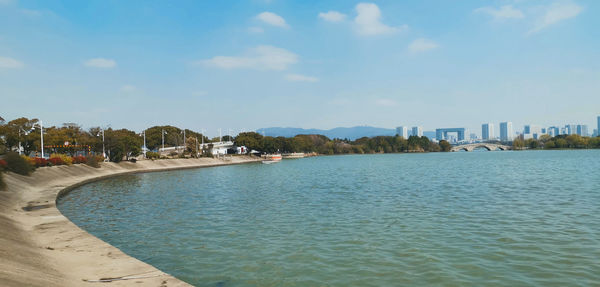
(417, 131)
(402, 131)
(506, 131)
(487, 132)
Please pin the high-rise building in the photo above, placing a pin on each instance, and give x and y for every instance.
(417, 131)
(487, 132)
(553, 131)
(531, 132)
(402, 131)
(506, 131)
(598, 127)
(582, 130)
(570, 129)
(442, 134)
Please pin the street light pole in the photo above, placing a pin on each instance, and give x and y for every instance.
(39, 123)
(144, 143)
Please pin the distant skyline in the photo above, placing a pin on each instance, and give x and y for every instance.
(308, 64)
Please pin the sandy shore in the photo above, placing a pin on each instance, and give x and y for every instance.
(41, 247)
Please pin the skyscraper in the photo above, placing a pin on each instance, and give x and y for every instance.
(417, 131)
(571, 129)
(487, 132)
(506, 131)
(598, 127)
(582, 130)
(402, 131)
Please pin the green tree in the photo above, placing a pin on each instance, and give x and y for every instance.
(445, 146)
(518, 144)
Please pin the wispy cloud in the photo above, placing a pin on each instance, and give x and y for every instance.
(300, 78)
(504, 12)
(272, 19)
(6, 2)
(332, 16)
(422, 45)
(556, 13)
(259, 58)
(368, 21)
(10, 63)
(100, 63)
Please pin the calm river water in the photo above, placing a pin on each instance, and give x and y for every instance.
(451, 219)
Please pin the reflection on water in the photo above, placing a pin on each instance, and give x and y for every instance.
(485, 218)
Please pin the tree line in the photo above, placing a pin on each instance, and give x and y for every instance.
(558, 142)
(323, 145)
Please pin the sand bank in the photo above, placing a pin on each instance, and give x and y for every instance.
(41, 247)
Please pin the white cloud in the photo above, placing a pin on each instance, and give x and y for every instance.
(300, 78)
(556, 13)
(272, 19)
(128, 88)
(332, 16)
(386, 102)
(259, 58)
(10, 63)
(422, 45)
(100, 63)
(504, 12)
(255, 30)
(368, 21)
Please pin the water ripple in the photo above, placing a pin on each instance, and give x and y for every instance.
(459, 219)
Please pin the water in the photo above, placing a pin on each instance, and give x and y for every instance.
(451, 219)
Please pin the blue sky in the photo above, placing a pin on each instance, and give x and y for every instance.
(311, 64)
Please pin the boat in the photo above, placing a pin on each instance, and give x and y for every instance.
(272, 158)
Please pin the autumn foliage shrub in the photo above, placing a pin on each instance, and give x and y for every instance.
(94, 160)
(3, 165)
(40, 161)
(60, 159)
(18, 164)
(79, 159)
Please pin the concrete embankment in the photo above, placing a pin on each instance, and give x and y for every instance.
(41, 247)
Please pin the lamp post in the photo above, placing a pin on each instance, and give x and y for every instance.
(41, 126)
(103, 149)
(163, 139)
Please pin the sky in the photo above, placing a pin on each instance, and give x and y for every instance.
(244, 65)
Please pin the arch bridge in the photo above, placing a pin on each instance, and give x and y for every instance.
(488, 146)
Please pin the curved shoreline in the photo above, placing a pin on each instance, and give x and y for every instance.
(41, 247)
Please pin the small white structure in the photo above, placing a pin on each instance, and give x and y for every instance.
(218, 148)
(241, 150)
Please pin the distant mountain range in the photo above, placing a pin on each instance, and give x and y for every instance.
(351, 133)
